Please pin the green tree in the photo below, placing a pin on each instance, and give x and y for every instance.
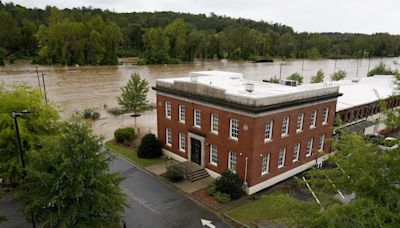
(177, 32)
(32, 127)
(156, 46)
(69, 183)
(296, 77)
(318, 78)
(338, 75)
(358, 171)
(134, 95)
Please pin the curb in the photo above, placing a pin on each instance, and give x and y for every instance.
(205, 206)
(235, 221)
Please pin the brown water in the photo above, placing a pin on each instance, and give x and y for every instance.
(74, 88)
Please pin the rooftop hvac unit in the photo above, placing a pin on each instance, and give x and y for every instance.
(249, 87)
(289, 82)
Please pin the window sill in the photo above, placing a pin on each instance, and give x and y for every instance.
(233, 139)
(268, 140)
(279, 167)
(182, 122)
(308, 155)
(284, 135)
(294, 161)
(313, 127)
(324, 123)
(183, 151)
(264, 174)
(299, 131)
(198, 127)
(214, 132)
(168, 118)
(168, 145)
(213, 164)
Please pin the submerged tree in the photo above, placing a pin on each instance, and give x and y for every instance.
(69, 183)
(318, 78)
(339, 75)
(296, 77)
(134, 95)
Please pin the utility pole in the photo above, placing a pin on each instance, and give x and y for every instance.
(38, 79)
(44, 87)
(280, 72)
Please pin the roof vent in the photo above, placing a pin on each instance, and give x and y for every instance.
(249, 87)
(289, 82)
(355, 80)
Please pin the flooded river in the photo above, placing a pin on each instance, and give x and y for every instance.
(74, 88)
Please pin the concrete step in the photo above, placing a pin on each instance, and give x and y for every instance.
(197, 175)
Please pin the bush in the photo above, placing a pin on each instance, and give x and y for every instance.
(296, 77)
(222, 197)
(381, 69)
(123, 135)
(149, 147)
(211, 189)
(174, 174)
(339, 75)
(230, 183)
(87, 113)
(95, 116)
(318, 78)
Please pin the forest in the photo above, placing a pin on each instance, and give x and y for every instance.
(96, 37)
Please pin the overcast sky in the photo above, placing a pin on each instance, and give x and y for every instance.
(356, 16)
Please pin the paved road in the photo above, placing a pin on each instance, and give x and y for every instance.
(157, 204)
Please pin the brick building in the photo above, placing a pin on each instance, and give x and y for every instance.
(263, 132)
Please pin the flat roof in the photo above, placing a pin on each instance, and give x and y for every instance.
(360, 91)
(231, 86)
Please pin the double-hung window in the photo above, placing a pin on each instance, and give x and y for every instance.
(182, 113)
(197, 118)
(182, 142)
(232, 161)
(265, 164)
(309, 147)
(325, 116)
(214, 123)
(296, 152)
(168, 136)
(168, 109)
(300, 120)
(313, 119)
(268, 130)
(321, 142)
(285, 126)
(234, 129)
(281, 159)
(213, 154)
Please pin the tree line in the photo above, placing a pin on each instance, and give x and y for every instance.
(94, 36)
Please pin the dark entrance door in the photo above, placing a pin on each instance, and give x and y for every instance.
(195, 147)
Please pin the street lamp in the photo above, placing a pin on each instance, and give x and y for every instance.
(15, 115)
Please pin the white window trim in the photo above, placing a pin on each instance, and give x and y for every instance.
(283, 159)
(265, 172)
(211, 160)
(182, 111)
(309, 149)
(269, 139)
(168, 136)
(229, 162)
(321, 145)
(168, 107)
(326, 115)
(286, 133)
(295, 159)
(212, 123)
(194, 118)
(230, 129)
(180, 142)
(313, 123)
(301, 123)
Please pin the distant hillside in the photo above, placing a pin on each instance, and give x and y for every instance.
(94, 36)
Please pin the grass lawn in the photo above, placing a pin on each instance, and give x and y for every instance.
(130, 154)
(267, 208)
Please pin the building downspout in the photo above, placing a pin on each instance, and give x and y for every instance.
(245, 173)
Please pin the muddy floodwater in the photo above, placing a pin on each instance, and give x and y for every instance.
(73, 88)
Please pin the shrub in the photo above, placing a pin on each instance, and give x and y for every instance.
(339, 75)
(95, 116)
(149, 147)
(222, 197)
(381, 69)
(123, 135)
(87, 113)
(211, 189)
(319, 77)
(174, 174)
(230, 183)
(296, 77)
